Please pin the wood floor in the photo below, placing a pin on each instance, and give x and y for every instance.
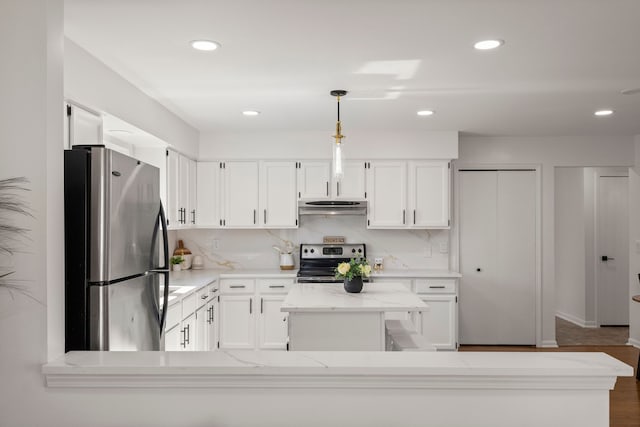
(624, 398)
(568, 333)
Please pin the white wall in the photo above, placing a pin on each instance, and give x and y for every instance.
(91, 83)
(548, 152)
(317, 145)
(570, 244)
(634, 254)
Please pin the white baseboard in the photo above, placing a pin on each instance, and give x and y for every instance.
(576, 320)
(549, 344)
(634, 342)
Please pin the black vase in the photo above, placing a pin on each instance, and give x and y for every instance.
(354, 285)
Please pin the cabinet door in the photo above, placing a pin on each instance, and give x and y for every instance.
(212, 338)
(273, 330)
(173, 182)
(172, 339)
(387, 194)
(237, 322)
(83, 127)
(240, 194)
(202, 328)
(189, 333)
(439, 324)
(193, 190)
(314, 178)
(183, 190)
(352, 184)
(208, 194)
(429, 193)
(278, 202)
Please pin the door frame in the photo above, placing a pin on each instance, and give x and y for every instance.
(601, 172)
(455, 228)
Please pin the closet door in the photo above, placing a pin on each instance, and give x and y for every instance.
(497, 257)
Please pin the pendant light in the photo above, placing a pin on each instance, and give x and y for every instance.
(338, 156)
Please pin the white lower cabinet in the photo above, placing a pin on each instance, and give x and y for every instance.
(202, 336)
(192, 323)
(439, 324)
(250, 316)
(172, 339)
(237, 322)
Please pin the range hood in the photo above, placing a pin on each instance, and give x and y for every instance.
(332, 207)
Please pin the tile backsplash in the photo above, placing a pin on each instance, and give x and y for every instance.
(252, 249)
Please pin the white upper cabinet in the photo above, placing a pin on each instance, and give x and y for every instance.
(82, 127)
(278, 205)
(413, 194)
(429, 193)
(173, 189)
(181, 190)
(387, 194)
(352, 184)
(240, 194)
(314, 179)
(208, 194)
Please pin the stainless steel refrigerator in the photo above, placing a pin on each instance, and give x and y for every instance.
(116, 254)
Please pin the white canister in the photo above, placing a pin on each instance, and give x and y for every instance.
(286, 262)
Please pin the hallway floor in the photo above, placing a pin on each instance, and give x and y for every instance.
(568, 333)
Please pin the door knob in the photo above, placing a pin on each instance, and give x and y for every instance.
(607, 258)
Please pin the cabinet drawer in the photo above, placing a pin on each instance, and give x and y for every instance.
(274, 286)
(202, 296)
(435, 286)
(174, 315)
(188, 305)
(240, 286)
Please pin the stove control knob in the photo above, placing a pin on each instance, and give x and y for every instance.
(353, 250)
(312, 250)
(359, 250)
(306, 250)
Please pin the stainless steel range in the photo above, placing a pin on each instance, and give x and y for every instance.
(319, 261)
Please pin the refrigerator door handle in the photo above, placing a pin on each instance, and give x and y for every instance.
(164, 269)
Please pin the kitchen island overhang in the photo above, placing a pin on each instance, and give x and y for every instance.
(323, 317)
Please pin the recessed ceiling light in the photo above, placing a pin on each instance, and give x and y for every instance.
(603, 112)
(121, 131)
(488, 44)
(426, 113)
(206, 45)
(251, 113)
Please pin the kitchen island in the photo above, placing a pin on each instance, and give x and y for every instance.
(322, 316)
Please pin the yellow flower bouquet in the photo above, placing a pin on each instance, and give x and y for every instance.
(355, 268)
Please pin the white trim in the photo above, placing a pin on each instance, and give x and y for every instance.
(634, 342)
(576, 320)
(549, 344)
(455, 230)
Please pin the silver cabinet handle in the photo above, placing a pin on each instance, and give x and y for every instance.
(237, 286)
(265, 216)
(404, 215)
(276, 286)
(204, 297)
(184, 337)
(338, 189)
(188, 338)
(436, 287)
(193, 213)
(250, 305)
(327, 188)
(261, 304)
(254, 216)
(414, 217)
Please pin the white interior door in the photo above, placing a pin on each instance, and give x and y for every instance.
(612, 251)
(497, 257)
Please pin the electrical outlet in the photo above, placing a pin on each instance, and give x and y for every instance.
(427, 250)
(215, 244)
(444, 247)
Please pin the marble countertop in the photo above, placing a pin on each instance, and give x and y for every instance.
(418, 273)
(331, 297)
(248, 368)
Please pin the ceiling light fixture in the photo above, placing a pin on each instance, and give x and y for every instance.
(603, 113)
(338, 159)
(425, 113)
(251, 113)
(205, 45)
(488, 44)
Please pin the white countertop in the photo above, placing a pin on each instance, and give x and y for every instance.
(247, 368)
(418, 273)
(331, 297)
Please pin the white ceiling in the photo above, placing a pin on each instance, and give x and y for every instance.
(562, 60)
